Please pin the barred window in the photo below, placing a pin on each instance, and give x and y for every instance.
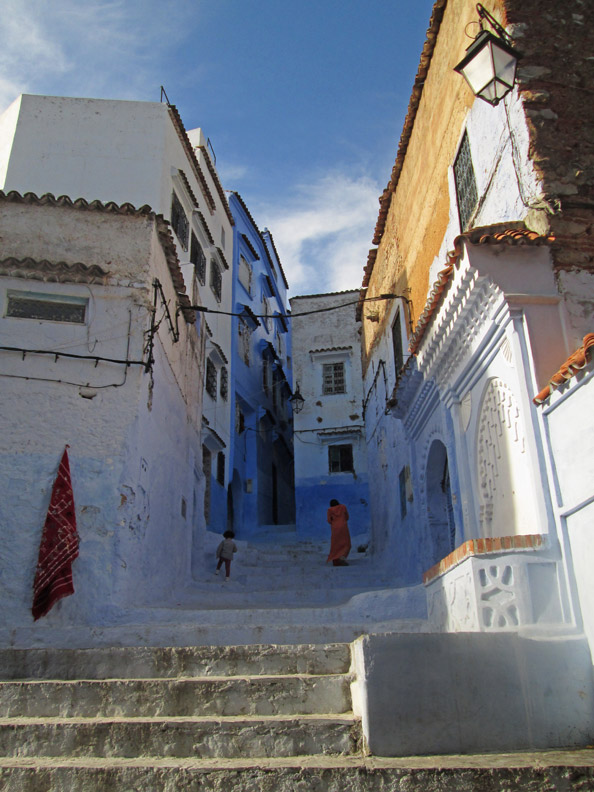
(466, 193)
(224, 386)
(211, 379)
(25, 305)
(207, 470)
(198, 259)
(216, 281)
(221, 468)
(333, 378)
(266, 313)
(245, 274)
(340, 459)
(266, 375)
(179, 221)
(244, 341)
(397, 344)
(239, 418)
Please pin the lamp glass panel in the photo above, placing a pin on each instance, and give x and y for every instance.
(505, 65)
(479, 71)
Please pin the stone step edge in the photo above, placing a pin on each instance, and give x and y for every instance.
(347, 717)
(207, 679)
(569, 758)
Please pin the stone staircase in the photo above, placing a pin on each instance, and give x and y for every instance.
(71, 717)
(207, 719)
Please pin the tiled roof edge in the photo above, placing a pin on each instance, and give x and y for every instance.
(48, 199)
(574, 363)
(215, 177)
(53, 271)
(168, 245)
(409, 121)
(185, 141)
(514, 234)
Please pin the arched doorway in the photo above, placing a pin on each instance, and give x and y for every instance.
(440, 511)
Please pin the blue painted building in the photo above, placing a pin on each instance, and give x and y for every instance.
(261, 490)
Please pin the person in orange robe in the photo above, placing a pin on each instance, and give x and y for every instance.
(340, 539)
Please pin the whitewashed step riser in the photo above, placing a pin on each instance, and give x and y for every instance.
(191, 697)
(154, 662)
(324, 629)
(296, 779)
(220, 739)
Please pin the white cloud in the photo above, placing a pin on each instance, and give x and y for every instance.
(88, 48)
(323, 232)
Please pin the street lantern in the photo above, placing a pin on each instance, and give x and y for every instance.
(297, 400)
(489, 65)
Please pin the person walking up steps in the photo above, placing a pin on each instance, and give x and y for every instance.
(225, 553)
(340, 538)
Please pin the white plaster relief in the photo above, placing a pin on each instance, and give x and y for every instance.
(505, 492)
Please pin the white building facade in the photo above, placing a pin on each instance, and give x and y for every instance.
(330, 450)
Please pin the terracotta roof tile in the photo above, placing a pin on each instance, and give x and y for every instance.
(222, 257)
(330, 349)
(79, 203)
(218, 185)
(578, 360)
(477, 547)
(170, 250)
(52, 272)
(509, 234)
(205, 227)
(188, 187)
(251, 248)
(415, 99)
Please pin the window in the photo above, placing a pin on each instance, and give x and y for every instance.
(244, 341)
(224, 386)
(333, 378)
(221, 468)
(266, 375)
(207, 470)
(48, 307)
(245, 274)
(266, 313)
(466, 193)
(340, 459)
(179, 221)
(211, 379)
(198, 259)
(397, 344)
(216, 281)
(239, 418)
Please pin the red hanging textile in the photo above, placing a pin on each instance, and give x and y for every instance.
(59, 545)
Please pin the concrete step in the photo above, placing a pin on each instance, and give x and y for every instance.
(212, 696)
(180, 737)
(146, 662)
(570, 771)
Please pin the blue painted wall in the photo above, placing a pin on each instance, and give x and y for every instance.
(261, 463)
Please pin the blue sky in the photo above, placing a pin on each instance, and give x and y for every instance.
(303, 101)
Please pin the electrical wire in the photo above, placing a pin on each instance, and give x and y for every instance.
(204, 309)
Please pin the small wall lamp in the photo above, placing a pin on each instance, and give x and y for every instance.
(489, 65)
(297, 400)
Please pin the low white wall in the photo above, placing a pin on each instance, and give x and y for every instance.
(473, 692)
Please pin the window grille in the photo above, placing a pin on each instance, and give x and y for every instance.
(466, 193)
(47, 308)
(244, 341)
(179, 221)
(340, 459)
(211, 379)
(198, 259)
(397, 344)
(221, 468)
(216, 281)
(266, 375)
(239, 419)
(266, 313)
(224, 386)
(245, 274)
(207, 470)
(333, 378)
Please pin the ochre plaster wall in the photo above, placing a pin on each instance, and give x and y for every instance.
(555, 78)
